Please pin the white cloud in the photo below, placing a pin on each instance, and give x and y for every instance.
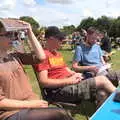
(114, 14)
(49, 16)
(60, 1)
(6, 5)
(110, 2)
(29, 2)
(66, 12)
(87, 13)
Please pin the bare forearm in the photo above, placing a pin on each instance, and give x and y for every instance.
(10, 104)
(55, 83)
(36, 45)
(82, 68)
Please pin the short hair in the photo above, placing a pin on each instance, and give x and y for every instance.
(54, 31)
(91, 30)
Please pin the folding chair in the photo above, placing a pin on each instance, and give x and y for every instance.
(70, 107)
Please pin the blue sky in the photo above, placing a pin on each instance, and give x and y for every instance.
(59, 12)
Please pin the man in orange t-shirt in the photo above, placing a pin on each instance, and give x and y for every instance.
(59, 82)
(55, 66)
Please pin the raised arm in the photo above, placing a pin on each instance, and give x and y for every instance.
(35, 43)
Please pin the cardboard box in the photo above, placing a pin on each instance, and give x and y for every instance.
(10, 24)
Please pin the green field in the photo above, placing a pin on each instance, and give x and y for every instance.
(68, 55)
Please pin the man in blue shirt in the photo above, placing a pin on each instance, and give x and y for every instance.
(88, 58)
(89, 55)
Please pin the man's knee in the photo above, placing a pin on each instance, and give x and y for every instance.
(101, 81)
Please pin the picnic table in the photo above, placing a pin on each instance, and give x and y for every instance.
(109, 110)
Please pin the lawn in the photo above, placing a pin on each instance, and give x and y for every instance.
(68, 55)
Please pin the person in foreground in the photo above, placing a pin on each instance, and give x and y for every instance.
(17, 100)
(59, 82)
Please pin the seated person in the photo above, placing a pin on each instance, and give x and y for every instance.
(88, 58)
(106, 43)
(17, 100)
(59, 82)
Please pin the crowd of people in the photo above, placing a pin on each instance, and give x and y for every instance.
(103, 39)
(60, 83)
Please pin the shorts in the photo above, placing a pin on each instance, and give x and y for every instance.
(85, 90)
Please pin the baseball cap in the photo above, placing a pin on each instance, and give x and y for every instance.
(54, 31)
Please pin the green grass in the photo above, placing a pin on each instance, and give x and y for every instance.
(116, 61)
(68, 56)
(33, 80)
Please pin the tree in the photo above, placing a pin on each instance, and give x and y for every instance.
(118, 27)
(104, 23)
(68, 29)
(86, 23)
(112, 29)
(33, 22)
